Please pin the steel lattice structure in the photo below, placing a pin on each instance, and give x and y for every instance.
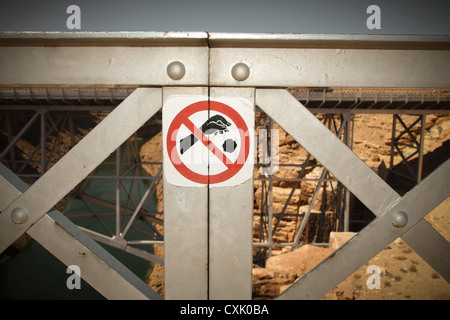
(126, 77)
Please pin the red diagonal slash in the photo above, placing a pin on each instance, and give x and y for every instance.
(208, 143)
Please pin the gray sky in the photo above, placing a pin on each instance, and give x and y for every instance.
(278, 16)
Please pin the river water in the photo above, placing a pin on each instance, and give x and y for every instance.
(34, 273)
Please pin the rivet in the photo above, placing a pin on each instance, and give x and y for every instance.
(240, 71)
(399, 219)
(176, 70)
(19, 215)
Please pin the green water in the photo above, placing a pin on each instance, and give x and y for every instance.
(34, 273)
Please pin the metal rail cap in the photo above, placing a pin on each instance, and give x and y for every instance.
(218, 39)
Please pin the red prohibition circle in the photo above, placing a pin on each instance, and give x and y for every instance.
(182, 117)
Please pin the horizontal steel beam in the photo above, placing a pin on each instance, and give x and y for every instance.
(222, 39)
(317, 99)
(329, 41)
(125, 210)
(124, 245)
(208, 58)
(267, 67)
(73, 39)
(379, 111)
(101, 65)
(69, 108)
(281, 67)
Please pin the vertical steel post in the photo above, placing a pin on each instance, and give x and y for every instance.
(118, 192)
(43, 142)
(346, 117)
(231, 227)
(10, 140)
(394, 124)
(19, 135)
(270, 229)
(422, 142)
(414, 174)
(185, 229)
(72, 131)
(137, 171)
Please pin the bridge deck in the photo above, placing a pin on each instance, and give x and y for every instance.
(324, 100)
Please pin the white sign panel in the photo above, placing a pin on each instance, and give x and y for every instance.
(208, 142)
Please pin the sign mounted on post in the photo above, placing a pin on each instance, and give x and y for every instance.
(208, 142)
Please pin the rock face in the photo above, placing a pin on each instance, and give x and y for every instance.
(371, 142)
(282, 270)
(402, 273)
(337, 239)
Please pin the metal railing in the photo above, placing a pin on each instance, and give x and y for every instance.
(209, 61)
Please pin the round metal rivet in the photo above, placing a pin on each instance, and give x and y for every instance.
(399, 219)
(240, 71)
(19, 215)
(176, 70)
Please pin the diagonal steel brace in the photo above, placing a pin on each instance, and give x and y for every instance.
(71, 169)
(349, 169)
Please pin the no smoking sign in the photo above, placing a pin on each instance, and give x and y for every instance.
(208, 142)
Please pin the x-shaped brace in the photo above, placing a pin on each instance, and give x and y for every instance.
(26, 210)
(371, 190)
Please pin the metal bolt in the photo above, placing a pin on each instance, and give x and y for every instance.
(399, 219)
(176, 70)
(240, 71)
(19, 215)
